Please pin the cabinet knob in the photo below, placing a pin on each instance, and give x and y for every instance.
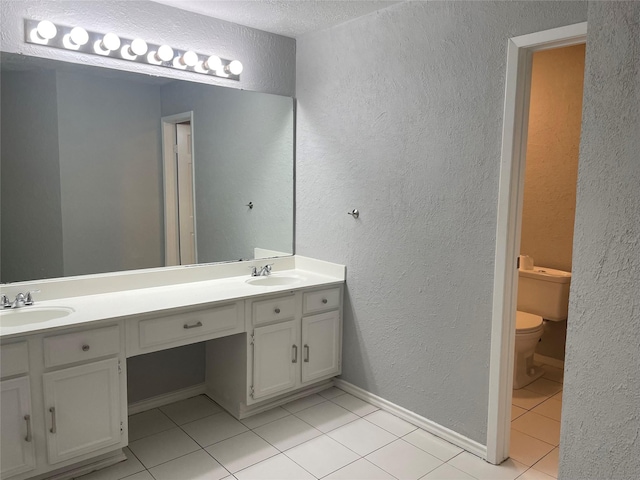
(85, 348)
(324, 300)
(277, 310)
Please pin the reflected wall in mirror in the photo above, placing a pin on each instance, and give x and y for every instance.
(81, 163)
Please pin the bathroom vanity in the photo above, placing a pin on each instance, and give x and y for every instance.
(64, 408)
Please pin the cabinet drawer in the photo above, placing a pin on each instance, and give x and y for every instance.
(321, 300)
(207, 324)
(14, 359)
(81, 346)
(273, 310)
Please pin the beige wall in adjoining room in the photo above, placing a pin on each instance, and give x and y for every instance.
(552, 156)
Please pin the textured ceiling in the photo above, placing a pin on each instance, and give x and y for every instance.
(291, 18)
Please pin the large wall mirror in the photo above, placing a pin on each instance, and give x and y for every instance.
(104, 170)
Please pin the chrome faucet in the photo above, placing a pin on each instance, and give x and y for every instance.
(262, 272)
(21, 300)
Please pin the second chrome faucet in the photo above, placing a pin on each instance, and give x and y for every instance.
(261, 271)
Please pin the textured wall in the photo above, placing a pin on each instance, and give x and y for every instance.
(551, 174)
(600, 415)
(243, 152)
(269, 59)
(400, 116)
(31, 217)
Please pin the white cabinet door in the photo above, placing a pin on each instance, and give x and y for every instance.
(82, 408)
(320, 346)
(275, 358)
(17, 455)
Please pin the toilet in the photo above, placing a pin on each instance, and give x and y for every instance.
(543, 295)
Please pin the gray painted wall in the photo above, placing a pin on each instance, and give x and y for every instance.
(269, 59)
(400, 116)
(600, 418)
(231, 170)
(111, 174)
(30, 178)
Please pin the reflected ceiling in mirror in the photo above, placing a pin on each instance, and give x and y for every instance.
(92, 183)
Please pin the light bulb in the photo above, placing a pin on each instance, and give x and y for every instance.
(110, 42)
(79, 36)
(138, 47)
(213, 63)
(164, 53)
(46, 30)
(234, 67)
(189, 58)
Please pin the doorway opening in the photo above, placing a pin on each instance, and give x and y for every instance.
(179, 190)
(520, 54)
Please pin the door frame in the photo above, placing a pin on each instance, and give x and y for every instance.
(170, 188)
(509, 222)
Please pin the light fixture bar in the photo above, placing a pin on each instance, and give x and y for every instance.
(109, 44)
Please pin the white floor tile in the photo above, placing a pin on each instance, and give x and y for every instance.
(191, 409)
(549, 464)
(549, 408)
(148, 423)
(213, 429)
(390, 423)
(321, 456)
(287, 432)
(446, 472)
(554, 374)
(241, 451)
(302, 403)
(516, 412)
(527, 399)
(544, 387)
(279, 467)
(403, 460)
(526, 449)
(362, 437)
(196, 466)
(533, 474)
(354, 404)
(162, 447)
(144, 475)
(359, 470)
(120, 470)
(478, 468)
(433, 445)
(330, 393)
(263, 418)
(537, 426)
(326, 416)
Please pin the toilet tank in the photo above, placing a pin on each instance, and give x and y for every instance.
(545, 292)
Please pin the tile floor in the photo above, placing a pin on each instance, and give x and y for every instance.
(331, 435)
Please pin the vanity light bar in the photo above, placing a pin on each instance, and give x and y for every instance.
(135, 50)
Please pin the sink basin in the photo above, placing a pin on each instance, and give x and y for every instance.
(274, 281)
(27, 315)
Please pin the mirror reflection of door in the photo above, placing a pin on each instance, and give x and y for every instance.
(184, 170)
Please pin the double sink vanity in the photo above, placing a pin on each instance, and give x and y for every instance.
(269, 339)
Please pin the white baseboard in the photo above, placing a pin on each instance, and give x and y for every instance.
(167, 398)
(432, 427)
(554, 362)
(83, 469)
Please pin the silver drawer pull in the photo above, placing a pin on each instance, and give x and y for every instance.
(85, 348)
(277, 310)
(306, 353)
(53, 420)
(195, 325)
(295, 354)
(27, 418)
(324, 300)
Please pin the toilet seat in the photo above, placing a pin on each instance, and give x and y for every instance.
(527, 322)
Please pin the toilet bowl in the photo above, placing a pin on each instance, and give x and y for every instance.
(529, 329)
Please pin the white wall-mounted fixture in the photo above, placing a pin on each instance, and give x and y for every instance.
(135, 50)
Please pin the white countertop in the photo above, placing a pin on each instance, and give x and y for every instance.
(103, 306)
